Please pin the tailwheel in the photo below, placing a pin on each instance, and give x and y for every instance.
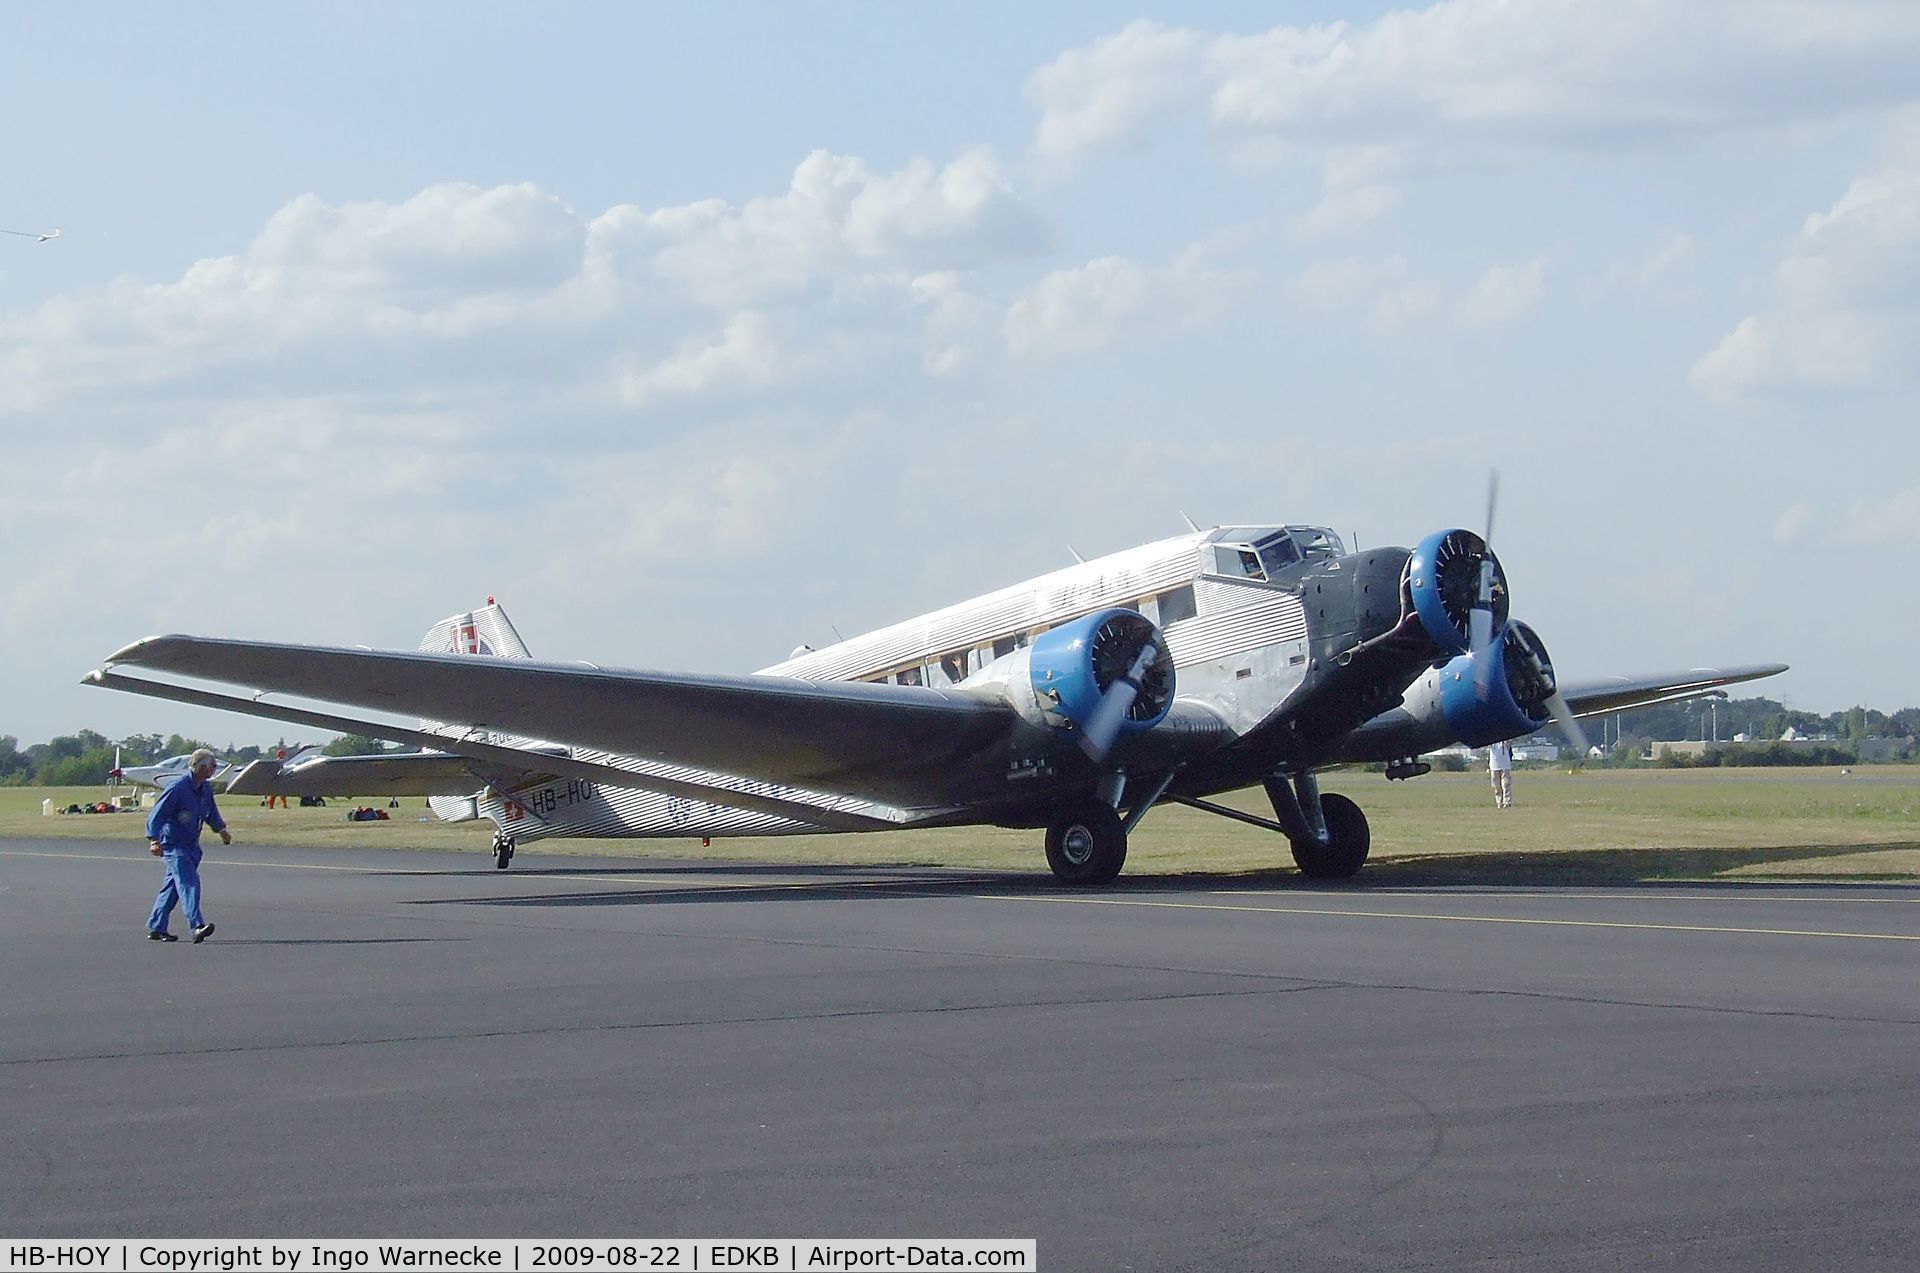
(1087, 844)
(502, 851)
(1347, 842)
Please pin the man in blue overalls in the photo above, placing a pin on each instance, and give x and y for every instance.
(173, 833)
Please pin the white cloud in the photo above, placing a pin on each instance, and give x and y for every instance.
(1387, 291)
(1578, 73)
(1793, 523)
(958, 321)
(1894, 520)
(1658, 269)
(1107, 91)
(747, 355)
(1357, 190)
(1085, 309)
(1502, 294)
(838, 215)
(461, 290)
(1479, 82)
(1844, 307)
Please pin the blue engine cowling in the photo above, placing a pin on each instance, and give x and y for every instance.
(1509, 702)
(1073, 667)
(1443, 579)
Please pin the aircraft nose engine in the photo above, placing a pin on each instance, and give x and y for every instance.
(1516, 699)
(1444, 582)
(1106, 674)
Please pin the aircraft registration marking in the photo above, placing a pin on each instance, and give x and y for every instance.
(1457, 919)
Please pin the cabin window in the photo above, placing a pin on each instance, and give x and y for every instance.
(1176, 605)
(955, 666)
(911, 676)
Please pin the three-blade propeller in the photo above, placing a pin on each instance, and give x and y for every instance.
(1103, 727)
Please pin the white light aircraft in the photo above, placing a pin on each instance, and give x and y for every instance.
(163, 773)
(1075, 702)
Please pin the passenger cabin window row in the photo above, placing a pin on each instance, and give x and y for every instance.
(955, 666)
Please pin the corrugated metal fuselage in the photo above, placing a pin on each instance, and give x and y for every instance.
(1242, 648)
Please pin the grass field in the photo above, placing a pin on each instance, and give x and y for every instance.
(1596, 826)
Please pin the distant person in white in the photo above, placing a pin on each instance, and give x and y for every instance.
(1500, 765)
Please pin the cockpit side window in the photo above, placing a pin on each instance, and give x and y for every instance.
(1237, 561)
(1277, 553)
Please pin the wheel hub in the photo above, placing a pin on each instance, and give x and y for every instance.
(1077, 845)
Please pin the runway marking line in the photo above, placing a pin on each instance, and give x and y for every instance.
(1616, 894)
(1458, 919)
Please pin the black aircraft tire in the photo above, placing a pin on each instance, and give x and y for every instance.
(1087, 844)
(502, 854)
(1343, 858)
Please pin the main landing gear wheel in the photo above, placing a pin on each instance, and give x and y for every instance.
(1087, 844)
(502, 851)
(1348, 840)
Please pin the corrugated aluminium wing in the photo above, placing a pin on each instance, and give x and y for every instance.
(889, 742)
(1618, 693)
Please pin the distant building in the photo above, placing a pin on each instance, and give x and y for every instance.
(1867, 750)
(1879, 750)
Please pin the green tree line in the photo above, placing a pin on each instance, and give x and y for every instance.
(1760, 722)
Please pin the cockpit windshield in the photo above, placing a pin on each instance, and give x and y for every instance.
(1316, 542)
(1260, 553)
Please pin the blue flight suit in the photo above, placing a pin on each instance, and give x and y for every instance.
(175, 822)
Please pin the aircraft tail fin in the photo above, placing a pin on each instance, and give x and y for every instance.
(486, 632)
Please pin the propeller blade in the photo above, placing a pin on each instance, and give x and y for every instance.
(1103, 727)
(1564, 718)
(1493, 498)
(1480, 635)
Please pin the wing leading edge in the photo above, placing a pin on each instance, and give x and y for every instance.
(911, 747)
(1618, 693)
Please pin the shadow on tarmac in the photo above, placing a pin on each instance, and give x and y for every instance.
(1652, 868)
(1629, 867)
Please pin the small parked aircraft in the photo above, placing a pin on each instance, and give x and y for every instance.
(1074, 702)
(163, 773)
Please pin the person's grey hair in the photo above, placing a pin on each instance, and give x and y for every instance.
(203, 759)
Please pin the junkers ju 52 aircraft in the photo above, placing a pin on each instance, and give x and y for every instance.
(1074, 702)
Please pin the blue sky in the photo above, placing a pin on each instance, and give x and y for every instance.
(697, 332)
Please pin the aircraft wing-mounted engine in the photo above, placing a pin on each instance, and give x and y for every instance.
(1108, 675)
(1103, 677)
(1460, 702)
(1509, 699)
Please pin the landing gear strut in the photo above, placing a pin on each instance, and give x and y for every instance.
(502, 851)
(1087, 843)
(1328, 833)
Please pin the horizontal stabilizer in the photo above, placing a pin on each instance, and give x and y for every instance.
(420, 773)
